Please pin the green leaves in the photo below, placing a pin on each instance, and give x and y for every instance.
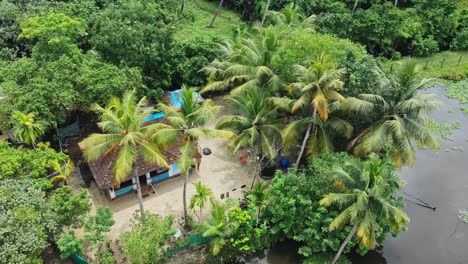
(70, 207)
(27, 222)
(146, 242)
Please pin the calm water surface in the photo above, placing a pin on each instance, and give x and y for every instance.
(440, 178)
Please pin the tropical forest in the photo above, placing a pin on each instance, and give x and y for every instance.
(233, 131)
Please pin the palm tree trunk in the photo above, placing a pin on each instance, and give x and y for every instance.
(216, 14)
(304, 142)
(396, 3)
(182, 7)
(200, 214)
(354, 141)
(137, 180)
(185, 199)
(345, 242)
(266, 11)
(355, 5)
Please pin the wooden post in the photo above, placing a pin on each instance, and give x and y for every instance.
(442, 64)
(459, 60)
(425, 66)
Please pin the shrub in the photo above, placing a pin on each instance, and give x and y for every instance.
(425, 46)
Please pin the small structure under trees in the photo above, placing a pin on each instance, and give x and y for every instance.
(149, 174)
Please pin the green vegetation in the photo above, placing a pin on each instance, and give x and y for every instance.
(198, 15)
(445, 130)
(122, 124)
(147, 239)
(464, 109)
(449, 65)
(188, 124)
(459, 91)
(306, 85)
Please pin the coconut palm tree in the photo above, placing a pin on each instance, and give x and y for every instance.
(259, 198)
(318, 86)
(402, 116)
(202, 195)
(255, 124)
(318, 139)
(216, 14)
(265, 12)
(188, 126)
(26, 129)
(246, 63)
(124, 138)
(218, 228)
(366, 199)
(62, 171)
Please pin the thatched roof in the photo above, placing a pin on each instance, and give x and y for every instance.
(102, 168)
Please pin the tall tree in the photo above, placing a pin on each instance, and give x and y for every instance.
(125, 137)
(26, 129)
(255, 123)
(366, 198)
(182, 6)
(216, 14)
(265, 12)
(318, 86)
(355, 5)
(259, 198)
(201, 196)
(402, 116)
(188, 126)
(246, 63)
(218, 228)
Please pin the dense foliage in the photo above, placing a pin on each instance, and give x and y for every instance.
(147, 241)
(27, 222)
(27, 163)
(384, 27)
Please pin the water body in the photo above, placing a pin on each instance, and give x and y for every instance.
(440, 178)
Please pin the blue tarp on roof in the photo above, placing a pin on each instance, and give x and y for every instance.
(174, 96)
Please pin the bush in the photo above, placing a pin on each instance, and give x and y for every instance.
(460, 42)
(296, 213)
(146, 242)
(302, 46)
(425, 46)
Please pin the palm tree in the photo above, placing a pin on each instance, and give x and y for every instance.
(216, 14)
(318, 86)
(182, 7)
(26, 129)
(254, 122)
(287, 16)
(355, 5)
(218, 228)
(366, 199)
(246, 63)
(402, 115)
(265, 12)
(125, 138)
(62, 172)
(188, 125)
(202, 195)
(259, 197)
(318, 132)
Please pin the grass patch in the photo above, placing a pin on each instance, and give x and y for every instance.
(453, 68)
(445, 130)
(198, 15)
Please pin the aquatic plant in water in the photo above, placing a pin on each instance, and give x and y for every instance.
(464, 109)
(445, 130)
(463, 216)
(459, 91)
